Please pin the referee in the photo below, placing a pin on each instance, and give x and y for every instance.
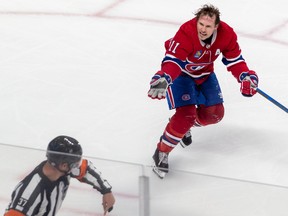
(42, 192)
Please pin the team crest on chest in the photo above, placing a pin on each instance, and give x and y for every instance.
(198, 54)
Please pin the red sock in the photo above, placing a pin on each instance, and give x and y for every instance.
(179, 124)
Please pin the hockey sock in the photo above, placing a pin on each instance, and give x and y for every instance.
(179, 124)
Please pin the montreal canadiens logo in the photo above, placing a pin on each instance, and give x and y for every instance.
(185, 97)
(194, 67)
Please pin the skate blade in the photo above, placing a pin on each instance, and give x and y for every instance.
(182, 144)
(158, 172)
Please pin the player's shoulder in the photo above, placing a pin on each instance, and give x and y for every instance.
(189, 25)
(188, 30)
(226, 31)
(226, 28)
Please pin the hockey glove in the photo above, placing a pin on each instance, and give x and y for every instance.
(249, 83)
(158, 85)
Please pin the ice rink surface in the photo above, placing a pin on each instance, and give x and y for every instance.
(82, 68)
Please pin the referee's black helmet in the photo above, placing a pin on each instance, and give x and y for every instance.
(64, 149)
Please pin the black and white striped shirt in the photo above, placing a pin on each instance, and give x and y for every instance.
(36, 195)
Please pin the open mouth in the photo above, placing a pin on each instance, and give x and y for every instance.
(202, 34)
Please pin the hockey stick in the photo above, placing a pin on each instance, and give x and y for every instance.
(272, 100)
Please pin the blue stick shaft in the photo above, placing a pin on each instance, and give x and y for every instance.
(272, 100)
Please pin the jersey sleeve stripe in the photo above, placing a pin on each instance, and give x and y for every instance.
(13, 212)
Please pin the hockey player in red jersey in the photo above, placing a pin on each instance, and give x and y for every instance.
(188, 81)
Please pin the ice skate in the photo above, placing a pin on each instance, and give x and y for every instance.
(161, 166)
(186, 140)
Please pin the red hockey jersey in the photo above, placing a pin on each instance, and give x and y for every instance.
(185, 52)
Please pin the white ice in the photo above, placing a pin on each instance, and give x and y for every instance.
(82, 68)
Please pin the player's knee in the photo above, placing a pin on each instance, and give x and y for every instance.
(187, 112)
(210, 115)
(183, 119)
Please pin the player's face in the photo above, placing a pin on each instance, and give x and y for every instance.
(206, 26)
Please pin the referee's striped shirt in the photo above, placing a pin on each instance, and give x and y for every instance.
(36, 195)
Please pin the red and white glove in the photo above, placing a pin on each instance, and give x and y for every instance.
(158, 85)
(249, 83)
